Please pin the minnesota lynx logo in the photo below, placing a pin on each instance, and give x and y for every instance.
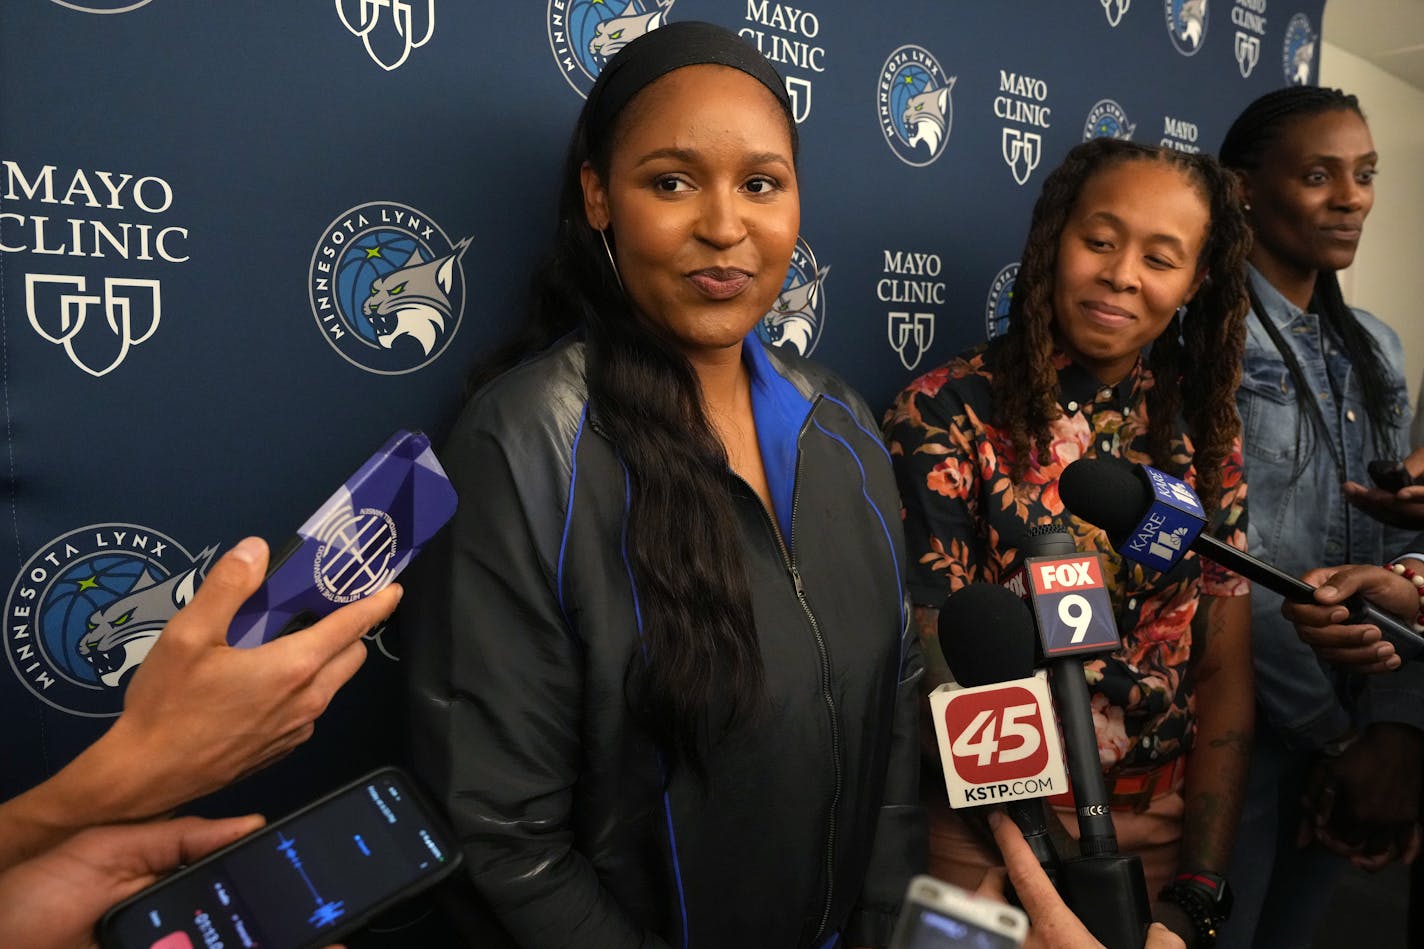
(387, 288)
(389, 46)
(796, 318)
(119, 317)
(583, 34)
(101, 6)
(1107, 120)
(915, 107)
(1115, 10)
(86, 609)
(1186, 24)
(1001, 295)
(1298, 51)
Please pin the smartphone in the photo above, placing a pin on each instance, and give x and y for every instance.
(355, 544)
(305, 881)
(1390, 474)
(938, 915)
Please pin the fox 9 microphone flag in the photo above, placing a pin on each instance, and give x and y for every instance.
(998, 742)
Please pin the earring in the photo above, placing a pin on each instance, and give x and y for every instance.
(1245, 206)
(611, 262)
(1182, 312)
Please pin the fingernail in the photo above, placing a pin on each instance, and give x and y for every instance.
(248, 549)
(1327, 591)
(1370, 635)
(1384, 651)
(1340, 615)
(1393, 662)
(995, 819)
(400, 591)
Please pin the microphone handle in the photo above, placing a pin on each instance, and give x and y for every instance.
(1406, 642)
(1032, 819)
(1096, 834)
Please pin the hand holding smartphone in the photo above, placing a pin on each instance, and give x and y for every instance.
(300, 883)
(938, 915)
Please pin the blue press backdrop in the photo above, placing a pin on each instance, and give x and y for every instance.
(195, 199)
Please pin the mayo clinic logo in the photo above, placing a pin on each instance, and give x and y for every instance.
(386, 287)
(85, 610)
(1023, 101)
(790, 38)
(584, 34)
(60, 219)
(1298, 51)
(914, 105)
(1115, 10)
(389, 46)
(996, 306)
(1186, 24)
(356, 555)
(99, 6)
(911, 279)
(1249, 17)
(797, 317)
(1107, 120)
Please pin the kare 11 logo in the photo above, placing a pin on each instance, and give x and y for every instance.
(93, 246)
(915, 105)
(389, 29)
(798, 315)
(1298, 50)
(584, 34)
(387, 288)
(85, 610)
(1186, 24)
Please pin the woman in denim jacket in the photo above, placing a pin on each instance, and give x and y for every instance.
(1322, 394)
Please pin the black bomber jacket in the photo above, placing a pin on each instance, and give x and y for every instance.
(808, 826)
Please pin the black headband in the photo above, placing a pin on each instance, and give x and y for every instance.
(660, 51)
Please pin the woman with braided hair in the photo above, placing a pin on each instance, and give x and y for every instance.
(1322, 395)
(1126, 319)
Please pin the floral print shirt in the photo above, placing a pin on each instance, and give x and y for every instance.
(966, 519)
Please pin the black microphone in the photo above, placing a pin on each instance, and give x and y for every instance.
(1122, 501)
(1105, 889)
(977, 660)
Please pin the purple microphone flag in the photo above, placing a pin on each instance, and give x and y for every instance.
(356, 543)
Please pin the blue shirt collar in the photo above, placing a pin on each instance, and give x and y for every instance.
(780, 411)
(1281, 311)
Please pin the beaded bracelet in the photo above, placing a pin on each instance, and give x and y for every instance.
(1418, 582)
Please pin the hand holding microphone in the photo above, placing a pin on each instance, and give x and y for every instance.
(1153, 519)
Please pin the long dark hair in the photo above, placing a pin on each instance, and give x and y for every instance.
(1244, 148)
(699, 643)
(1196, 361)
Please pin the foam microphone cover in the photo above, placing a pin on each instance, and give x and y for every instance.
(987, 635)
(1107, 492)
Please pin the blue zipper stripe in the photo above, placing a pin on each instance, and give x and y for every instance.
(643, 644)
(569, 515)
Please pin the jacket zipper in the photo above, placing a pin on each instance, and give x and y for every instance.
(825, 661)
(826, 691)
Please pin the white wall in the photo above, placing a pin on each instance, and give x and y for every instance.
(1388, 275)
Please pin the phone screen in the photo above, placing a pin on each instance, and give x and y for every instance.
(930, 929)
(298, 882)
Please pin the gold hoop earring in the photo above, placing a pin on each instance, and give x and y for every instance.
(611, 262)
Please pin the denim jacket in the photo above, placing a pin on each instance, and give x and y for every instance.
(1300, 518)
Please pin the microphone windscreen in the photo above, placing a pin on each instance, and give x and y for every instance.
(1106, 492)
(987, 635)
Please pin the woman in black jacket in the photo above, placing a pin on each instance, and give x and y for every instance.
(663, 682)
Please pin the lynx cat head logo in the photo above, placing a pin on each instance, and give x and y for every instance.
(1186, 24)
(1298, 51)
(387, 288)
(86, 609)
(796, 318)
(584, 34)
(1107, 120)
(915, 105)
(1001, 295)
